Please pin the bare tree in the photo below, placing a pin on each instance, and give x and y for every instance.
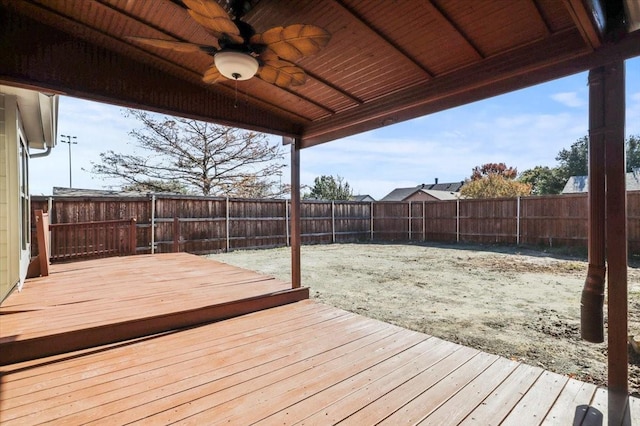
(205, 158)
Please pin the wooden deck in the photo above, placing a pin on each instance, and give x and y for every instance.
(91, 303)
(302, 363)
(299, 363)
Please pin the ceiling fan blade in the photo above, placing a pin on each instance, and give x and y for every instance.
(214, 18)
(294, 41)
(178, 46)
(282, 73)
(268, 55)
(212, 75)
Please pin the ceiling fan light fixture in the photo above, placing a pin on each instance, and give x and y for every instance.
(236, 65)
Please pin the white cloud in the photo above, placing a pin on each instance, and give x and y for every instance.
(570, 99)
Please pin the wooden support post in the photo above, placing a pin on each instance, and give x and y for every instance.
(176, 234)
(133, 237)
(39, 266)
(608, 230)
(616, 237)
(295, 214)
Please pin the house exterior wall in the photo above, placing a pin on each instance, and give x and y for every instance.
(420, 196)
(10, 248)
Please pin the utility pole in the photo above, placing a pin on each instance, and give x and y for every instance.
(69, 141)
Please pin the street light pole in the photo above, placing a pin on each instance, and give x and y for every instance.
(69, 141)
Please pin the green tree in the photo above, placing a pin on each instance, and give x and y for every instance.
(494, 180)
(633, 152)
(573, 161)
(329, 188)
(544, 180)
(204, 158)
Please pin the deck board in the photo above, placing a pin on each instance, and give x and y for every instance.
(575, 394)
(457, 408)
(298, 363)
(536, 403)
(427, 401)
(361, 387)
(497, 406)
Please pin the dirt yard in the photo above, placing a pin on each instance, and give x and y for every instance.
(519, 303)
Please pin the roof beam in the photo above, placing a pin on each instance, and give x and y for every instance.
(438, 11)
(357, 19)
(584, 21)
(543, 18)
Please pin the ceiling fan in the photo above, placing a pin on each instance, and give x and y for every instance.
(241, 53)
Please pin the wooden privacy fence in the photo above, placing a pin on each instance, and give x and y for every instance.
(101, 226)
(93, 239)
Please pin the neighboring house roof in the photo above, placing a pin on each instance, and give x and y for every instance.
(442, 195)
(448, 187)
(577, 184)
(401, 194)
(366, 197)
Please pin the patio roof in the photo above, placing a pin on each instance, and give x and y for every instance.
(386, 62)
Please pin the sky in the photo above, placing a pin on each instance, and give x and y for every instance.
(523, 129)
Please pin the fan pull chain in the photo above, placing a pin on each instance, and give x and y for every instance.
(236, 76)
(235, 102)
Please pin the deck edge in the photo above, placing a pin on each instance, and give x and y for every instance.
(56, 344)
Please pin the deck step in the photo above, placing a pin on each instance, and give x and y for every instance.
(27, 349)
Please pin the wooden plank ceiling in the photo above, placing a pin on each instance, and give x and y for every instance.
(386, 61)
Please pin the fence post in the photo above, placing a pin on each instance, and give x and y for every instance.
(518, 222)
(228, 227)
(286, 219)
(424, 221)
(371, 220)
(333, 221)
(153, 224)
(457, 220)
(410, 212)
(133, 237)
(176, 234)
